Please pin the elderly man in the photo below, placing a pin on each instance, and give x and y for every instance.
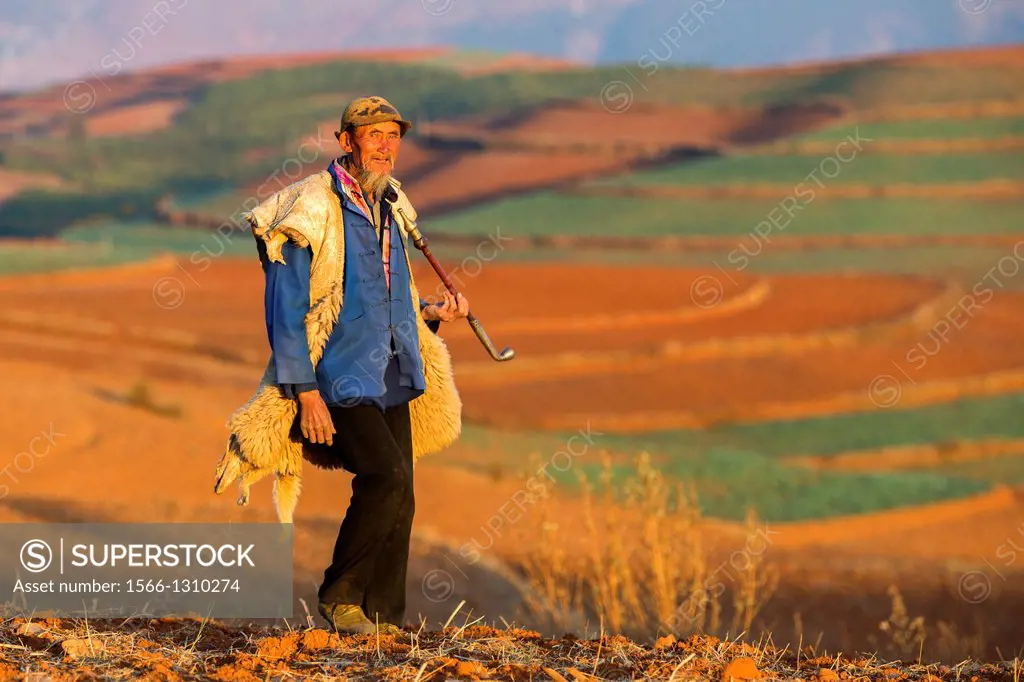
(354, 376)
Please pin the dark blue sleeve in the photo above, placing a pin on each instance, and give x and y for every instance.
(286, 302)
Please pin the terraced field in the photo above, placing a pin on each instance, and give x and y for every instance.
(602, 213)
(22, 258)
(864, 168)
(764, 347)
(934, 129)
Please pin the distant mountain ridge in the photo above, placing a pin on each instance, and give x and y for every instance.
(48, 41)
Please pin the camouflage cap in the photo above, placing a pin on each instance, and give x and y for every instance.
(369, 110)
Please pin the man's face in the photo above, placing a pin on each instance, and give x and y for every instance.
(374, 148)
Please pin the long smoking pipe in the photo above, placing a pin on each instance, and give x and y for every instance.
(421, 243)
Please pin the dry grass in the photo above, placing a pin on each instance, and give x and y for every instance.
(178, 649)
(140, 395)
(647, 570)
(648, 573)
(911, 638)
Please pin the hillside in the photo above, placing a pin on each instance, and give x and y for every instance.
(477, 137)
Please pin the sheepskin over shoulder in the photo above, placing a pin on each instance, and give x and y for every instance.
(261, 439)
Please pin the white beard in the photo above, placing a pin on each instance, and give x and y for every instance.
(372, 183)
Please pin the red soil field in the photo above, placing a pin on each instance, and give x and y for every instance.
(728, 386)
(790, 305)
(135, 120)
(965, 529)
(13, 182)
(441, 179)
(641, 375)
(1001, 55)
(519, 62)
(648, 369)
(729, 389)
(412, 161)
(629, 131)
(497, 173)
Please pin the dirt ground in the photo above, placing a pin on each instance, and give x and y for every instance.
(168, 649)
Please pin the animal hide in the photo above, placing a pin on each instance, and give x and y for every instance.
(262, 440)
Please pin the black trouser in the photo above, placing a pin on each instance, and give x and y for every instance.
(371, 554)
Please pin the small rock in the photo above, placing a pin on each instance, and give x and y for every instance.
(471, 670)
(555, 675)
(740, 670)
(82, 648)
(277, 648)
(580, 676)
(665, 642)
(314, 640)
(827, 674)
(31, 629)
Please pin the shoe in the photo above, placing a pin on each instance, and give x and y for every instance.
(346, 619)
(349, 619)
(390, 629)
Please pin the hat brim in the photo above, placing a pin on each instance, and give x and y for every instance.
(403, 125)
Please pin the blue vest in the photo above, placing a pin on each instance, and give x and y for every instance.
(372, 355)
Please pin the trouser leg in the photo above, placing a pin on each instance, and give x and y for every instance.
(385, 594)
(381, 490)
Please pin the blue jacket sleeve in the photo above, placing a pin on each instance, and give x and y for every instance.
(286, 302)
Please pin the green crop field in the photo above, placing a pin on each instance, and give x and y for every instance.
(728, 479)
(730, 482)
(1007, 470)
(21, 259)
(965, 419)
(863, 168)
(546, 213)
(966, 263)
(222, 202)
(932, 129)
(151, 238)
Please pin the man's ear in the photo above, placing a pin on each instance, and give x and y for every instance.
(345, 140)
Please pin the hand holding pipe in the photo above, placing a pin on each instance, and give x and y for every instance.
(421, 243)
